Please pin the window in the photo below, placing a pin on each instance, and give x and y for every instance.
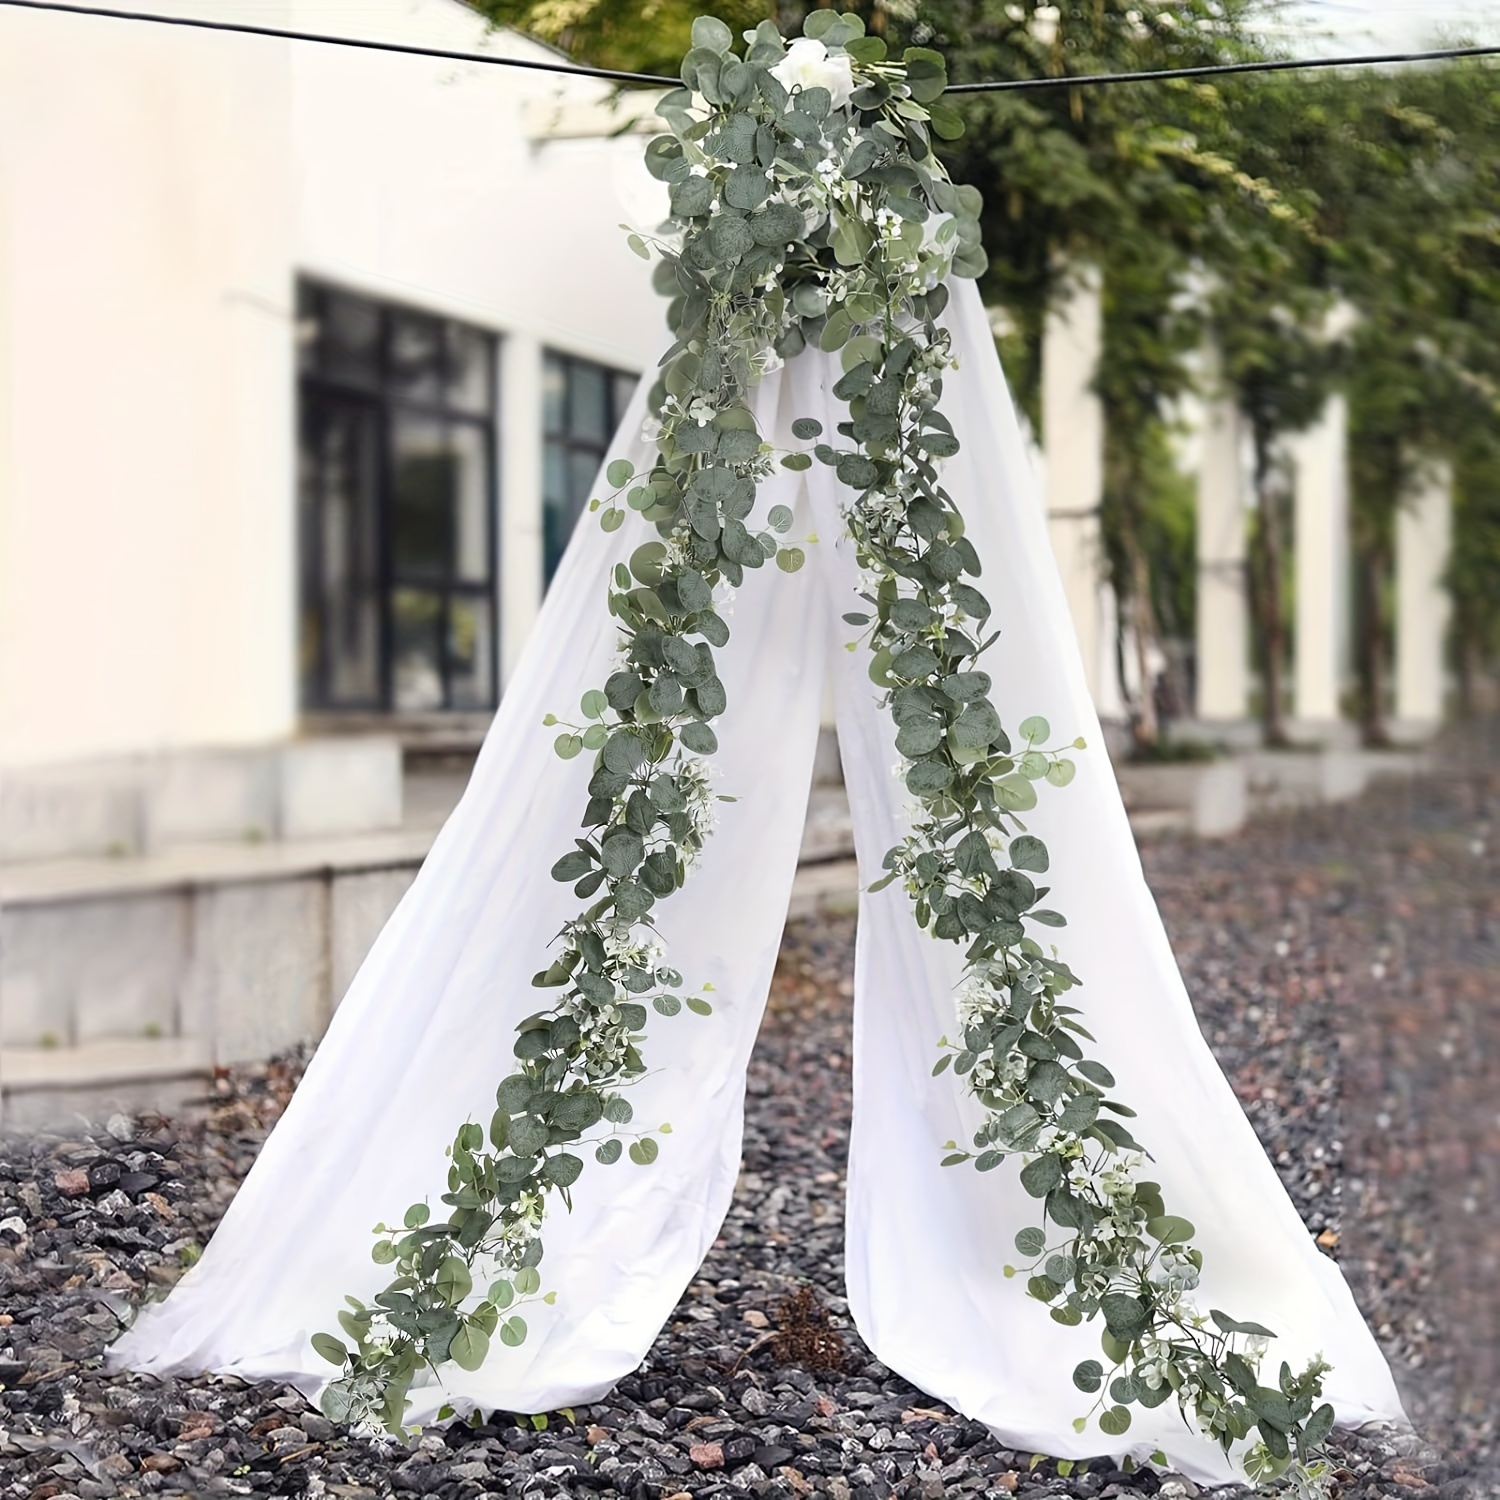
(582, 404)
(396, 507)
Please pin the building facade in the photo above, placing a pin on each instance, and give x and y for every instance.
(308, 356)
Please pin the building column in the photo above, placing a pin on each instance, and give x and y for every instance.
(1424, 533)
(1321, 553)
(520, 520)
(1073, 442)
(1223, 613)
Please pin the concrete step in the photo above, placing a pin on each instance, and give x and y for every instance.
(41, 1086)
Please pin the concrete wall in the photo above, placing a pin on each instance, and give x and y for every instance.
(144, 590)
(129, 996)
(246, 962)
(161, 189)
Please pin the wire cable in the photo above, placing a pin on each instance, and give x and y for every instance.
(615, 75)
(1218, 70)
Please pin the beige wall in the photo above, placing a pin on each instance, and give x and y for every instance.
(147, 213)
(160, 189)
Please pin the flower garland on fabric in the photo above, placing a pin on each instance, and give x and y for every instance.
(809, 208)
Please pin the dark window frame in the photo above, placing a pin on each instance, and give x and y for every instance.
(380, 395)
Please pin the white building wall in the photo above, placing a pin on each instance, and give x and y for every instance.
(147, 213)
(160, 190)
(1321, 551)
(1223, 620)
(1073, 441)
(1424, 540)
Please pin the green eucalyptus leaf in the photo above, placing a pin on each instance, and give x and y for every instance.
(453, 1282)
(1042, 1175)
(469, 1346)
(1028, 853)
(1170, 1229)
(712, 33)
(326, 1346)
(1061, 772)
(1031, 1242)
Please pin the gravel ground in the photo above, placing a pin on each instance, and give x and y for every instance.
(1346, 965)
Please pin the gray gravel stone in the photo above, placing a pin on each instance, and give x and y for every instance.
(1373, 1093)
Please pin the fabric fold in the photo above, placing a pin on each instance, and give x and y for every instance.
(425, 1032)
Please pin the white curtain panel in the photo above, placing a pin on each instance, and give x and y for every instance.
(424, 1033)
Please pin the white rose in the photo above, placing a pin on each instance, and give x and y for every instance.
(808, 65)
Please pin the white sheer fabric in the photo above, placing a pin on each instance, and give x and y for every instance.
(425, 1031)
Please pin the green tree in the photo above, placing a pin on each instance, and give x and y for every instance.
(1394, 175)
(1150, 332)
(1286, 195)
(1474, 573)
(638, 36)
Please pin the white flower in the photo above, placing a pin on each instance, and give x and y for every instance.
(809, 65)
(976, 1000)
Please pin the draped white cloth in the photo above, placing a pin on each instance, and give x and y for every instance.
(425, 1031)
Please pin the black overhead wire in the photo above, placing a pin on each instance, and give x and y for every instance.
(1213, 70)
(365, 44)
(615, 75)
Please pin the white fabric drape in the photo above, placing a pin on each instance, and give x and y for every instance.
(425, 1031)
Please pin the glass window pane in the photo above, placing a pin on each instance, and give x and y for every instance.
(624, 389)
(558, 510)
(339, 465)
(417, 365)
(417, 627)
(308, 329)
(424, 482)
(583, 470)
(396, 486)
(471, 366)
(558, 521)
(471, 481)
(347, 338)
(554, 394)
(555, 472)
(471, 652)
(588, 416)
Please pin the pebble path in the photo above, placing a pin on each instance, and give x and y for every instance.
(1346, 968)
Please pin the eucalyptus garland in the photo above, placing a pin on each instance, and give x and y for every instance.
(809, 208)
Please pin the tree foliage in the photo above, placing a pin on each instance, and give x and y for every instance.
(1331, 231)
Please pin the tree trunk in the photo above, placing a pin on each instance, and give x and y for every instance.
(1371, 649)
(1267, 574)
(1145, 726)
(1468, 669)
